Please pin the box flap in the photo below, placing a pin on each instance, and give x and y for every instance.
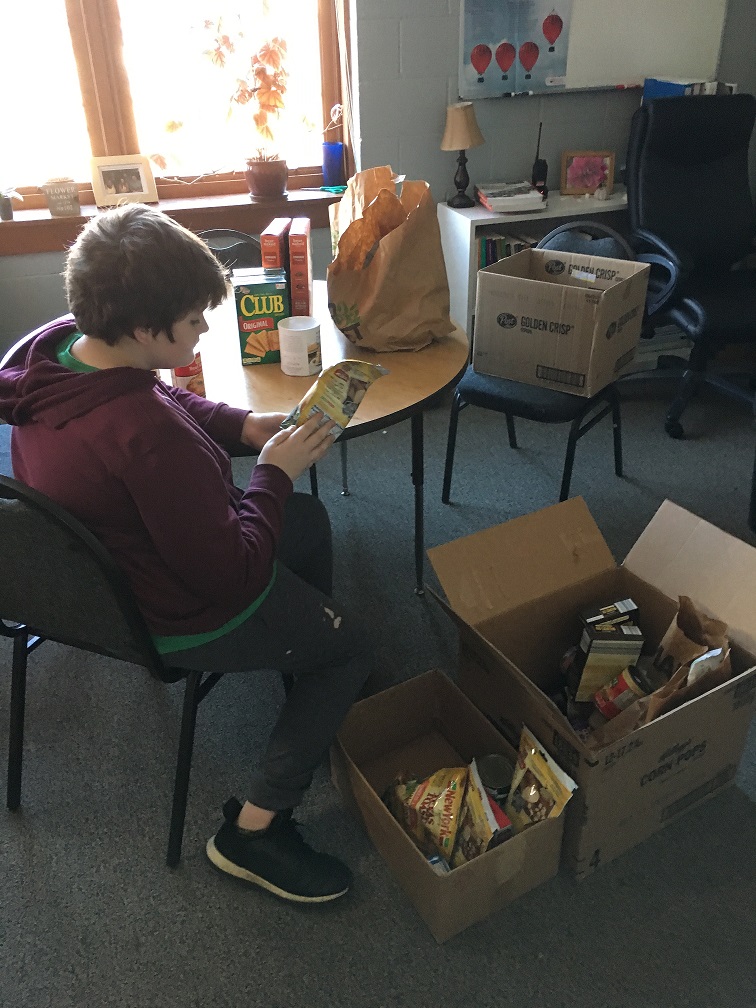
(681, 554)
(500, 568)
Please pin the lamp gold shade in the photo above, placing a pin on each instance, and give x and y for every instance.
(462, 131)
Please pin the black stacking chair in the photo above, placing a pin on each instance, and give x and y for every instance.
(60, 584)
(689, 199)
(530, 402)
(235, 249)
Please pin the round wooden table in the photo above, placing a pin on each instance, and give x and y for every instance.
(415, 380)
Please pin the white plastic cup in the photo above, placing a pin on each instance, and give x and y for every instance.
(299, 339)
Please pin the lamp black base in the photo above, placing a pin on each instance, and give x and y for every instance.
(461, 182)
(460, 201)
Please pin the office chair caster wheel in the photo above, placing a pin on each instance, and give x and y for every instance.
(675, 429)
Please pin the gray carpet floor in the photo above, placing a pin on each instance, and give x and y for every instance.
(92, 917)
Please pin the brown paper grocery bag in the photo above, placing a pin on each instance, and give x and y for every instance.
(387, 286)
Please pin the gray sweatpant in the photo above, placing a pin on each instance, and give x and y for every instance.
(297, 631)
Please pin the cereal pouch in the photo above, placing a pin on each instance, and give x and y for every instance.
(429, 810)
(540, 788)
(336, 394)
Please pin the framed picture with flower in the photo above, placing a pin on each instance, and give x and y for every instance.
(584, 171)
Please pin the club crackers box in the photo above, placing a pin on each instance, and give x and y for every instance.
(262, 300)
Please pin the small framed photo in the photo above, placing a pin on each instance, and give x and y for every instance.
(584, 171)
(124, 178)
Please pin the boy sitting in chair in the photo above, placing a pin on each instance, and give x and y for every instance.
(227, 580)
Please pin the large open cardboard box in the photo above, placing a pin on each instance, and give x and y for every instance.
(558, 319)
(515, 591)
(416, 728)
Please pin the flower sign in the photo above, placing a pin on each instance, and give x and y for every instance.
(586, 171)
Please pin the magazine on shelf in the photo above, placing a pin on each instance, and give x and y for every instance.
(510, 197)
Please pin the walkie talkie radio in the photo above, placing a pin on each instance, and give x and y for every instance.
(540, 168)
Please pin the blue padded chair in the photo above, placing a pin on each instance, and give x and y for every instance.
(516, 399)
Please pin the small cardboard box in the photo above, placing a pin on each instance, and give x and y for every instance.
(419, 727)
(262, 300)
(558, 319)
(516, 591)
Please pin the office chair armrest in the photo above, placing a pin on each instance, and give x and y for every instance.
(661, 285)
(682, 263)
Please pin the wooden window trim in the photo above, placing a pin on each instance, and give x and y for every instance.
(95, 28)
(34, 231)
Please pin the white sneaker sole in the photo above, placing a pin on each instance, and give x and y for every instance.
(230, 868)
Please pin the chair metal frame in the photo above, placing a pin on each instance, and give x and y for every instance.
(604, 402)
(225, 243)
(27, 635)
(582, 415)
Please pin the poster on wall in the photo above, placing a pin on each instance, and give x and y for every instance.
(513, 46)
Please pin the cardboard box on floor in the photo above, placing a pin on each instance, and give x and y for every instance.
(558, 319)
(515, 591)
(416, 728)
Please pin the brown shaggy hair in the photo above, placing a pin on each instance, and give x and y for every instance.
(134, 267)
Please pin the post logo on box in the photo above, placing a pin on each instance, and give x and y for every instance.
(555, 267)
(506, 320)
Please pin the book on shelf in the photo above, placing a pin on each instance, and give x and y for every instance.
(300, 266)
(510, 197)
(274, 244)
(495, 245)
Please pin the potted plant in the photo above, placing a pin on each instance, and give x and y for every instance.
(261, 85)
(8, 193)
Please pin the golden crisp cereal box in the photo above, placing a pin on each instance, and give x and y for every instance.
(262, 300)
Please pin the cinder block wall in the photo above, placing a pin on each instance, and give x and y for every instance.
(406, 74)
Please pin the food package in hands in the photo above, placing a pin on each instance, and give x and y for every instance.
(336, 394)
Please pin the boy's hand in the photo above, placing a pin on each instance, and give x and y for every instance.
(260, 427)
(297, 448)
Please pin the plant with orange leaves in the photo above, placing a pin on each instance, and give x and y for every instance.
(262, 83)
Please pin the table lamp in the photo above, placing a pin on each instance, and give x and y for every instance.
(461, 133)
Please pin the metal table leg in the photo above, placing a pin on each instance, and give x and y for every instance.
(418, 476)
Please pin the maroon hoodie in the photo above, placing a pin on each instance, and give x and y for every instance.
(140, 465)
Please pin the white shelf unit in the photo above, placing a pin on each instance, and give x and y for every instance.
(460, 230)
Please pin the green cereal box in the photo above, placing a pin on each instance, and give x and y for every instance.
(262, 300)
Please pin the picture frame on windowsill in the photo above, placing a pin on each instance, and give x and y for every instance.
(123, 178)
(583, 171)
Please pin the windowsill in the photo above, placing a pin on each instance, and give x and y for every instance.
(33, 231)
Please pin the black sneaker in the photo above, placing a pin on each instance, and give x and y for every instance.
(277, 858)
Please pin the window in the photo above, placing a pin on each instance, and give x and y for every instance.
(159, 78)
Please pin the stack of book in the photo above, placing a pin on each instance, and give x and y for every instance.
(494, 245)
(510, 197)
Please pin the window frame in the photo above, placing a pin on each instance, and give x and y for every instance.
(95, 29)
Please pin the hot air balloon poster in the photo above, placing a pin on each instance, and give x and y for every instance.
(513, 46)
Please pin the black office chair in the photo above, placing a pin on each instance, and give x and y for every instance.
(689, 199)
(235, 249)
(531, 402)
